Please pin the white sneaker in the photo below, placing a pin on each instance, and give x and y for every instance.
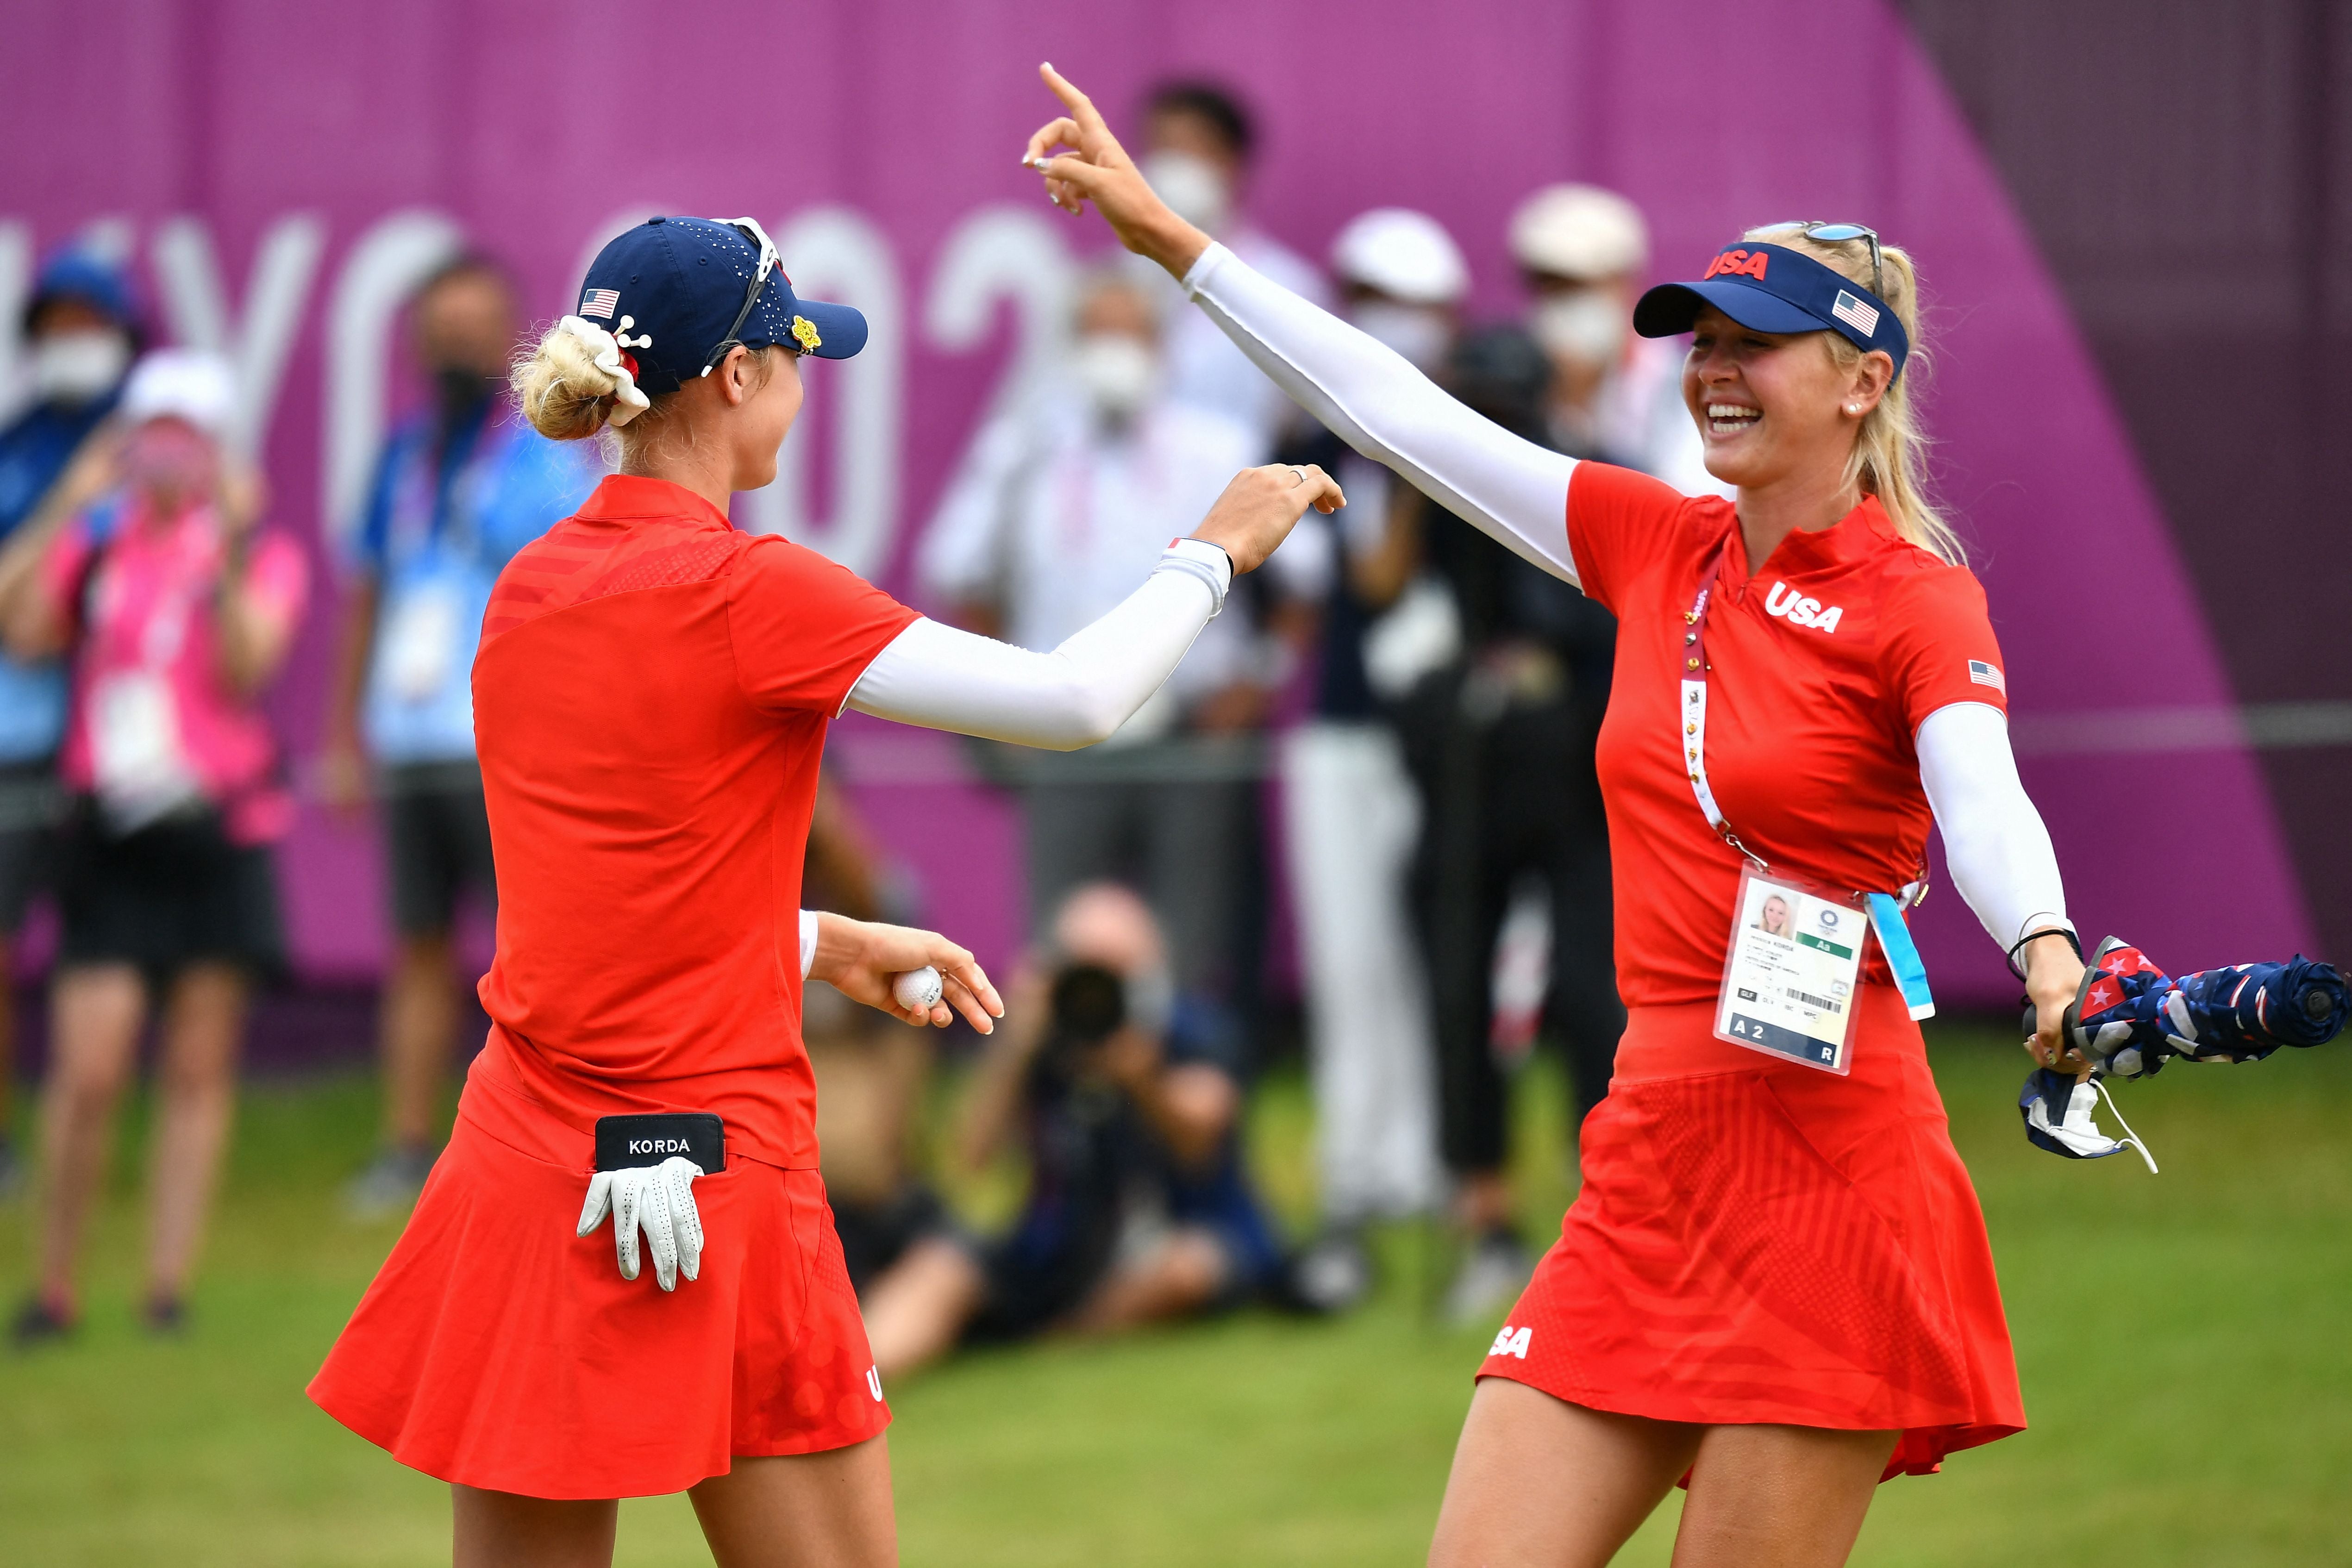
(1334, 1274)
(1490, 1279)
(389, 1186)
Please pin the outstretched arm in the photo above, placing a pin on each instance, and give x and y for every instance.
(941, 678)
(1370, 396)
(1999, 853)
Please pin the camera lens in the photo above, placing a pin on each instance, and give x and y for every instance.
(1090, 1003)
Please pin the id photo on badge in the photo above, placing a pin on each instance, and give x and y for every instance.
(1789, 974)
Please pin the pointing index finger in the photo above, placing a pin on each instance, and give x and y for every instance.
(1080, 106)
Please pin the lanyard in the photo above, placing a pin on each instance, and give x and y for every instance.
(1885, 909)
(427, 512)
(1693, 736)
(1695, 669)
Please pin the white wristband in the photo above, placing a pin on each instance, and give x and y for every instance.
(808, 942)
(1199, 558)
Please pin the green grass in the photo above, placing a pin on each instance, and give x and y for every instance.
(2183, 1340)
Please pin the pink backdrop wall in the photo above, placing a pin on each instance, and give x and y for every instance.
(534, 128)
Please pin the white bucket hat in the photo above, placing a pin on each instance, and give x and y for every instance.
(1580, 232)
(1405, 255)
(182, 383)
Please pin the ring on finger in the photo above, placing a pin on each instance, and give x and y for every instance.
(1298, 476)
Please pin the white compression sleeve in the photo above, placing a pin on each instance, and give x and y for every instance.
(1374, 400)
(808, 942)
(941, 678)
(1994, 841)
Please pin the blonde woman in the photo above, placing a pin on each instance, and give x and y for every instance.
(1774, 1283)
(650, 705)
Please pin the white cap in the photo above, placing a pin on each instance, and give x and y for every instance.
(182, 383)
(1580, 232)
(1403, 254)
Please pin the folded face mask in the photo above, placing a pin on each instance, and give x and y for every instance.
(2057, 1110)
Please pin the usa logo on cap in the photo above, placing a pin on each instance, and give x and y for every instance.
(600, 302)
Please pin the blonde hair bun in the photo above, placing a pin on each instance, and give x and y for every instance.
(575, 383)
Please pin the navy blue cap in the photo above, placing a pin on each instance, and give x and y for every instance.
(679, 283)
(81, 272)
(1775, 289)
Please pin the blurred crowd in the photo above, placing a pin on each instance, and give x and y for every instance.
(1402, 709)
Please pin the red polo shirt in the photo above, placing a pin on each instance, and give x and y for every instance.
(650, 705)
(1822, 666)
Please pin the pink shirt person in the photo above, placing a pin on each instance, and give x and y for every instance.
(156, 725)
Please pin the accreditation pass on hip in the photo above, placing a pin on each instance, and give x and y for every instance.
(1788, 979)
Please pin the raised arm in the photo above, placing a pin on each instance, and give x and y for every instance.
(1370, 396)
(1373, 399)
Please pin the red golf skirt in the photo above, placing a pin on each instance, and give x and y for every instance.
(499, 1349)
(1761, 1242)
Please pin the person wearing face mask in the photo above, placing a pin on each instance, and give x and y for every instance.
(1582, 251)
(1065, 497)
(178, 611)
(1199, 145)
(1350, 812)
(463, 482)
(80, 329)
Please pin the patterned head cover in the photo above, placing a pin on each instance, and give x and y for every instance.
(2129, 1015)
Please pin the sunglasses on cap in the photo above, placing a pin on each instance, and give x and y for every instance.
(769, 262)
(1830, 231)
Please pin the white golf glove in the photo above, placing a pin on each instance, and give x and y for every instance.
(659, 1198)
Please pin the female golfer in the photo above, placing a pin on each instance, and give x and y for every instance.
(1775, 1282)
(650, 702)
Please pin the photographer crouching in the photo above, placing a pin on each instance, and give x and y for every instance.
(1128, 1098)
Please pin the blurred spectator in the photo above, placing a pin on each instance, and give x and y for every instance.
(1350, 815)
(1128, 1098)
(1197, 147)
(462, 484)
(871, 1072)
(1500, 740)
(1067, 500)
(1582, 251)
(178, 612)
(80, 330)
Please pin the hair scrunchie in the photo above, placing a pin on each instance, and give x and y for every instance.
(605, 349)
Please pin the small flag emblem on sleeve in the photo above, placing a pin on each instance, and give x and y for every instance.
(600, 302)
(1863, 318)
(1986, 674)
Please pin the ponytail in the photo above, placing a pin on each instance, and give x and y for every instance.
(1889, 457)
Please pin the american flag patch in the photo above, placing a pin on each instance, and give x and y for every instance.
(604, 301)
(1863, 318)
(1986, 674)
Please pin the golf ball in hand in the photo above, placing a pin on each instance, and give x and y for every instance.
(917, 990)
